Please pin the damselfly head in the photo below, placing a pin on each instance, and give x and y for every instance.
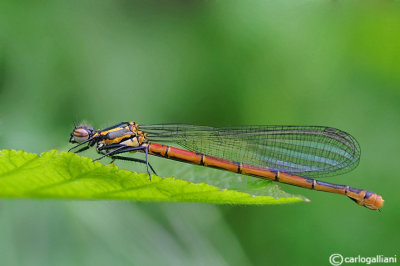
(81, 133)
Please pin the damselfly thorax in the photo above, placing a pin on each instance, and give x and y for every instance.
(127, 134)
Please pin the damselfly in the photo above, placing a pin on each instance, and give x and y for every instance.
(293, 155)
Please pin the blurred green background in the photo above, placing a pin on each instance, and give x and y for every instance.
(210, 63)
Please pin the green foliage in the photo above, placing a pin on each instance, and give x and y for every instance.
(67, 175)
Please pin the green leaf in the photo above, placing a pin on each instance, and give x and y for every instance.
(67, 175)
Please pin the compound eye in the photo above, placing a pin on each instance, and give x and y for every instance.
(81, 134)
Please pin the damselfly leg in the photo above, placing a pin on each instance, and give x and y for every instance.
(120, 148)
(134, 160)
(82, 149)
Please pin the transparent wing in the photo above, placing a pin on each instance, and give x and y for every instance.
(311, 151)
